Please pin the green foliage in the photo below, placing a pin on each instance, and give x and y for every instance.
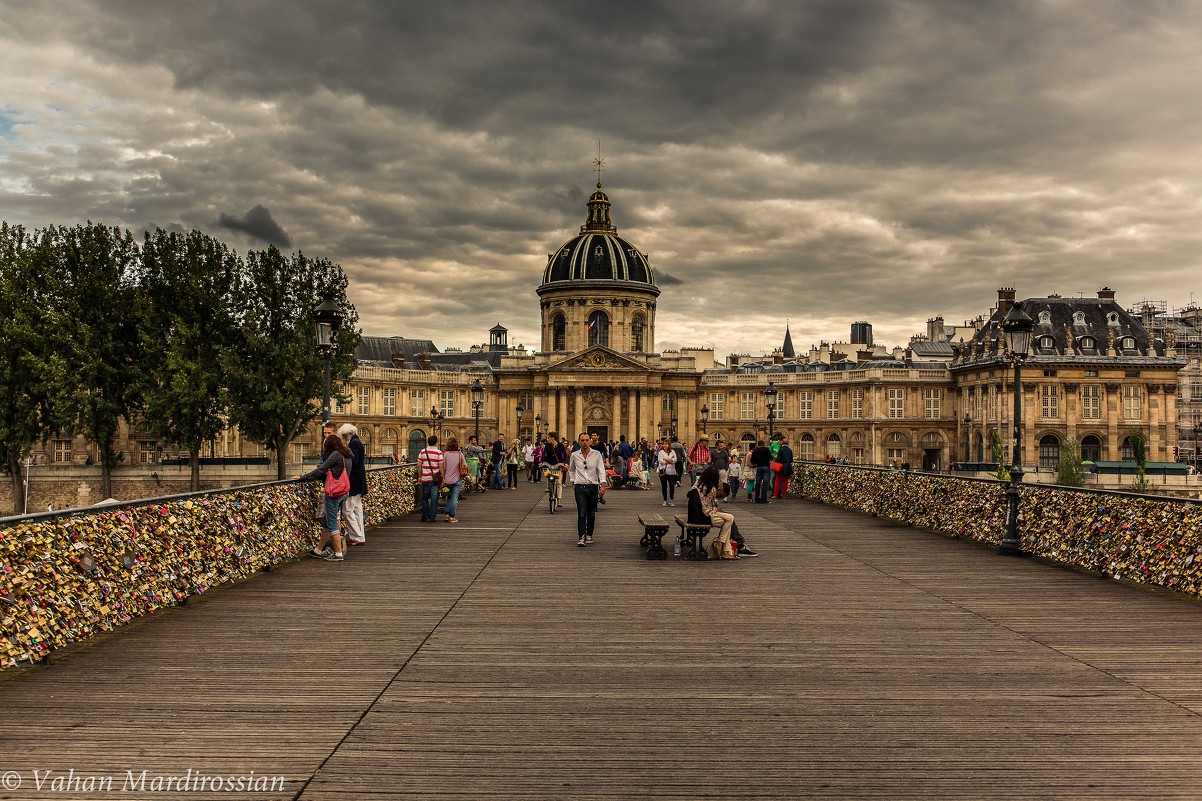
(1139, 447)
(273, 368)
(186, 327)
(999, 456)
(34, 374)
(1071, 472)
(96, 268)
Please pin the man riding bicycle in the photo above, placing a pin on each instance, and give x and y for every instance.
(554, 462)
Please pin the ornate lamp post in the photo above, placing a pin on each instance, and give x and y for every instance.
(538, 428)
(435, 416)
(521, 410)
(672, 433)
(1017, 326)
(705, 418)
(967, 437)
(477, 404)
(770, 394)
(328, 320)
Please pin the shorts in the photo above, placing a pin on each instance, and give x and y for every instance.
(332, 507)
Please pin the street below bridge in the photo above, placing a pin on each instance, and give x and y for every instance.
(853, 659)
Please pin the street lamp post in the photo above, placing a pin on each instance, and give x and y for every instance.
(521, 412)
(672, 433)
(477, 404)
(770, 394)
(435, 416)
(328, 320)
(1017, 327)
(705, 418)
(967, 437)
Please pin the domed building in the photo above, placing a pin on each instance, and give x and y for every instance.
(598, 289)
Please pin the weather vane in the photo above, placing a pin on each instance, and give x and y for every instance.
(599, 164)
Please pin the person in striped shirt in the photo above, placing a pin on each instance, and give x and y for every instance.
(430, 462)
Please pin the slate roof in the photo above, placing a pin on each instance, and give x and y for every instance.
(926, 348)
(377, 351)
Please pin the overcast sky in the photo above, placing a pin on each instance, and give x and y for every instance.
(821, 162)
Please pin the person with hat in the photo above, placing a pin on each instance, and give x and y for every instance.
(699, 457)
(352, 504)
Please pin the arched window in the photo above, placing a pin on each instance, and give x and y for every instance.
(834, 446)
(1129, 450)
(1047, 343)
(980, 448)
(1078, 318)
(1087, 343)
(806, 447)
(388, 443)
(637, 327)
(598, 328)
(559, 333)
(1127, 343)
(1049, 453)
(1045, 318)
(1091, 449)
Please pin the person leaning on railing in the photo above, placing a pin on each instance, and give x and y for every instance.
(334, 453)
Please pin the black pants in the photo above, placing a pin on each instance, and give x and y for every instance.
(586, 508)
(667, 485)
(512, 470)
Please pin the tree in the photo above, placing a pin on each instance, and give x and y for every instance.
(274, 370)
(1138, 441)
(33, 372)
(1071, 472)
(96, 288)
(999, 456)
(186, 326)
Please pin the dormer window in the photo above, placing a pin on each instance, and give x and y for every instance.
(1045, 318)
(1112, 318)
(1087, 343)
(1047, 343)
(1079, 319)
(1127, 343)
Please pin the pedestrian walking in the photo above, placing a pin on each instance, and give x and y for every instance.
(452, 477)
(352, 506)
(761, 460)
(498, 459)
(513, 460)
(586, 471)
(665, 467)
(430, 463)
(784, 457)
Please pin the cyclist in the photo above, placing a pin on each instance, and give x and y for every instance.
(555, 459)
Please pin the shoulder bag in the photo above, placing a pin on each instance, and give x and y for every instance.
(338, 487)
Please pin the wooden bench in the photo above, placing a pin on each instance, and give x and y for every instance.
(694, 535)
(654, 529)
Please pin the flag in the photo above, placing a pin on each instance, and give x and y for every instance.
(592, 325)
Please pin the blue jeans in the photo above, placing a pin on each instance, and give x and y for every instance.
(453, 498)
(498, 473)
(586, 508)
(763, 480)
(429, 500)
(331, 509)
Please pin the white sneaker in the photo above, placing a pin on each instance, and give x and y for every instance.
(670, 503)
(665, 503)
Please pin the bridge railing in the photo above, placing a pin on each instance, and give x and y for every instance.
(1149, 539)
(69, 575)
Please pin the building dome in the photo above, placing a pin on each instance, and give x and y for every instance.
(598, 253)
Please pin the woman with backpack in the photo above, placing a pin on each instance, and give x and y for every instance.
(336, 473)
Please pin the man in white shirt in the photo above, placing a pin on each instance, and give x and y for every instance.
(586, 471)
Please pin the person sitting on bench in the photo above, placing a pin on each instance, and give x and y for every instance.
(697, 515)
(708, 488)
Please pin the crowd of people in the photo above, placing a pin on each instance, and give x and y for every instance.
(717, 474)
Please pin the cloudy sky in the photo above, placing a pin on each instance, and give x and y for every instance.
(820, 162)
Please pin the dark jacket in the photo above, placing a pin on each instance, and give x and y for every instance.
(358, 466)
(785, 457)
(720, 458)
(334, 463)
(760, 457)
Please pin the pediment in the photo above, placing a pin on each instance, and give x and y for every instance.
(597, 359)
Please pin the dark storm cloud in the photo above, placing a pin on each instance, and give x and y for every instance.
(820, 161)
(664, 279)
(258, 223)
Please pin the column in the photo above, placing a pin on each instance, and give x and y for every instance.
(561, 414)
(617, 429)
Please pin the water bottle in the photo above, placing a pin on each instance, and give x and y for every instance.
(676, 548)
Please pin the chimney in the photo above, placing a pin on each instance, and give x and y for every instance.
(1106, 293)
(398, 359)
(1005, 299)
(424, 360)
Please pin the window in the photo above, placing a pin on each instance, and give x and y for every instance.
(1091, 402)
(299, 450)
(1049, 373)
(1131, 406)
(806, 401)
(559, 333)
(364, 400)
(1091, 449)
(993, 402)
(1128, 450)
(978, 404)
(417, 403)
(1078, 318)
(1131, 374)
(527, 401)
(390, 401)
(1091, 373)
(388, 443)
(146, 452)
(1049, 403)
(857, 404)
(717, 405)
(598, 328)
(897, 403)
(446, 402)
(807, 447)
(931, 399)
(1047, 343)
(1045, 318)
(636, 333)
(832, 404)
(1127, 343)
(1088, 343)
(668, 403)
(340, 404)
(1049, 453)
(746, 405)
(62, 451)
(895, 454)
(834, 446)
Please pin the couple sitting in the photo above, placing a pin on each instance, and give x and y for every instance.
(703, 508)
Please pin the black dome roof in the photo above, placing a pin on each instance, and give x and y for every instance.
(598, 253)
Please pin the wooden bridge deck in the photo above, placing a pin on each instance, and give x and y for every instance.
(494, 659)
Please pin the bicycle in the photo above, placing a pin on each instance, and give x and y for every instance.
(553, 474)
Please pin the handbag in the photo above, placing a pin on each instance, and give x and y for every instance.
(337, 487)
(436, 476)
(775, 467)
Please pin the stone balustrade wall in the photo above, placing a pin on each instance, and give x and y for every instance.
(66, 578)
(1143, 538)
